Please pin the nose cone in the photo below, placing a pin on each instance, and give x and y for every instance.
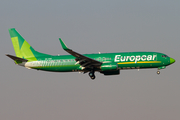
(172, 60)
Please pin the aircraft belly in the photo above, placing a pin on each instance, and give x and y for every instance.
(139, 65)
(61, 68)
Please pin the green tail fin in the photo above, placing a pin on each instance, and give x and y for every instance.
(22, 48)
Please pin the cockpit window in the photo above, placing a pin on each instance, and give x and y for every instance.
(164, 56)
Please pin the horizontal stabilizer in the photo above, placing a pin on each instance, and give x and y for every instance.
(16, 58)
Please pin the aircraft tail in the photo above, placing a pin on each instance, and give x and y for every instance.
(22, 48)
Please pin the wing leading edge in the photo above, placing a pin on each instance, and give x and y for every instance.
(85, 62)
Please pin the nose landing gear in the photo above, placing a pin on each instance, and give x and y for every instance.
(91, 75)
(159, 68)
(158, 72)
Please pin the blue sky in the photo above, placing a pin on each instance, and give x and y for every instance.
(90, 27)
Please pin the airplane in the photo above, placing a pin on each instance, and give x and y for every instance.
(105, 63)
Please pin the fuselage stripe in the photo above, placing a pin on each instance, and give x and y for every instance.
(140, 62)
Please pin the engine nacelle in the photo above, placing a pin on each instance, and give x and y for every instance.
(109, 66)
(110, 69)
(112, 72)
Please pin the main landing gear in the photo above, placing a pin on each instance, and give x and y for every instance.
(91, 75)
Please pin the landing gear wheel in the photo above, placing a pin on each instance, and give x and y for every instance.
(158, 72)
(91, 75)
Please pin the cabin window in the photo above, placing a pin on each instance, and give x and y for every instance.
(164, 56)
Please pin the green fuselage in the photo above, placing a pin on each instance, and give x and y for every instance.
(105, 63)
(124, 60)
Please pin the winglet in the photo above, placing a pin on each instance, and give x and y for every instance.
(63, 45)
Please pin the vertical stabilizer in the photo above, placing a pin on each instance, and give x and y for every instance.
(22, 48)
